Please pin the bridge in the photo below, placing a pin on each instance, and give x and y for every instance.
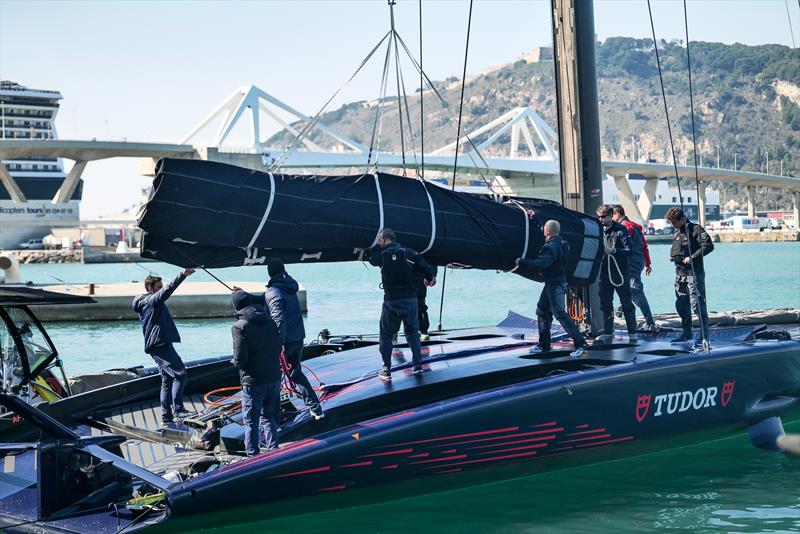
(527, 166)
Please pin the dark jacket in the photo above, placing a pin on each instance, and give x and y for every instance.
(256, 346)
(640, 253)
(284, 306)
(701, 245)
(398, 265)
(550, 261)
(157, 324)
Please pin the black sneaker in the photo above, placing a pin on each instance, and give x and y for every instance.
(417, 370)
(317, 413)
(683, 338)
(385, 375)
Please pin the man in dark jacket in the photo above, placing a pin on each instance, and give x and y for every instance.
(160, 333)
(615, 274)
(256, 353)
(690, 243)
(638, 262)
(284, 307)
(398, 264)
(550, 263)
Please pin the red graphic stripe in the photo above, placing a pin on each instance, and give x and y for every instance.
(266, 456)
(456, 470)
(457, 457)
(379, 421)
(333, 488)
(587, 432)
(551, 423)
(455, 436)
(536, 446)
(449, 451)
(393, 466)
(421, 455)
(306, 472)
(582, 426)
(515, 442)
(492, 459)
(389, 453)
(520, 434)
(359, 464)
(585, 439)
(626, 438)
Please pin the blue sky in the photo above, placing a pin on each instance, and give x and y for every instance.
(149, 70)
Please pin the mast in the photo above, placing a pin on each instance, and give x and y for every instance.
(578, 117)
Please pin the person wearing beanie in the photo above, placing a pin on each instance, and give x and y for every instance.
(256, 354)
(284, 307)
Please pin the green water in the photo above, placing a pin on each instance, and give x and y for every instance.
(722, 486)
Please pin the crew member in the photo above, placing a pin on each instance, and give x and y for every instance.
(639, 261)
(691, 242)
(284, 307)
(160, 333)
(422, 307)
(256, 354)
(550, 262)
(398, 264)
(615, 274)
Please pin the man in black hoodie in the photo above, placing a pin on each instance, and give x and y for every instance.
(256, 353)
(284, 307)
(398, 265)
(615, 274)
(690, 244)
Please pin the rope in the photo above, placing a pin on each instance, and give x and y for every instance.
(789, 16)
(315, 119)
(397, 82)
(421, 100)
(611, 257)
(379, 111)
(672, 142)
(458, 139)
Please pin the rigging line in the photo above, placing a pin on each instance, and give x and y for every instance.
(408, 116)
(446, 107)
(182, 253)
(315, 119)
(696, 177)
(397, 82)
(789, 16)
(458, 137)
(380, 102)
(669, 131)
(400, 107)
(422, 98)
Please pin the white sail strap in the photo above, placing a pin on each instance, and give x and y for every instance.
(433, 215)
(527, 229)
(266, 212)
(380, 208)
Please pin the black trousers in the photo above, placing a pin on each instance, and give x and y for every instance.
(607, 297)
(690, 296)
(552, 304)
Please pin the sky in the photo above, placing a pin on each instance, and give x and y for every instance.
(152, 70)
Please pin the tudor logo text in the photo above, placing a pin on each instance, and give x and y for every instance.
(684, 401)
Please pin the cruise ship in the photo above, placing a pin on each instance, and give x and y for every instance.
(27, 113)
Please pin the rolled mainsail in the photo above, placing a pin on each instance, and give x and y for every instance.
(217, 215)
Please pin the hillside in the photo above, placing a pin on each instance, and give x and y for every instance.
(746, 100)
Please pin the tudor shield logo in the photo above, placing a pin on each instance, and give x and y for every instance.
(684, 401)
(727, 392)
(642, 407)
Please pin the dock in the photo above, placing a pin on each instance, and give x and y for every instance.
(192, 300)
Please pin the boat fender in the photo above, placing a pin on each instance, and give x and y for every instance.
(765, 433)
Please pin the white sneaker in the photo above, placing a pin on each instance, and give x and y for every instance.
(424, 337)
(577, 353)
(536, 349)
